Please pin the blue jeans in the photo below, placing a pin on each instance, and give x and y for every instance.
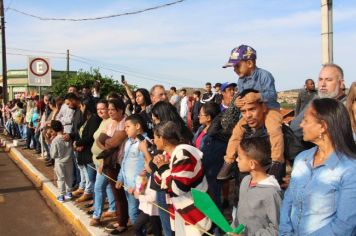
(133, 207)
(76, 172)
(102, 189)
(23, 131)
(91, 172)
(164, 216)
(85, 182)
(9, 126)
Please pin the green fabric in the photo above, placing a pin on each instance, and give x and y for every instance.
(206, 205)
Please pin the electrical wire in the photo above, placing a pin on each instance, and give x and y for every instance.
(29, 55)
(40, 51)
(137, 72)
(123, 72)
(127, 71)
(94, 18)
(96, 64)
(9, 6)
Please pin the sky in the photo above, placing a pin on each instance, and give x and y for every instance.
(184, 45)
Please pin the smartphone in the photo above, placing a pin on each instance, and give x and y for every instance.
(140, 137)
(122, 79)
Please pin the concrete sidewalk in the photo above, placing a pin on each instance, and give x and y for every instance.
(69, 211)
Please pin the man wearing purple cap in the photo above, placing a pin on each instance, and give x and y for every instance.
(243, 59)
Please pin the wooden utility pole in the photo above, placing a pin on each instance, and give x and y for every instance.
(327, 31)
(3, 51)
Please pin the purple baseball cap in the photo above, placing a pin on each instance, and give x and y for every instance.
(241, 53)
(226, 85)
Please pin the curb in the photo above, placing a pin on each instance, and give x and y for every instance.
(68, 211)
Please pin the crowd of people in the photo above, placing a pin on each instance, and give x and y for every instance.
(158, 149)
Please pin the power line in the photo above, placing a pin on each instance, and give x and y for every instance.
(9, 6)
(29, 55)
(135, 71)
(97, 64)
(40, 51)
(134, 74)
(95, 18)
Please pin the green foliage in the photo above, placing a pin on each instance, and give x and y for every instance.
(87, 78)
(286, 105)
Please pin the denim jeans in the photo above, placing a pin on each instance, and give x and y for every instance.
(91, 173)
(85, 182)
(23, 131)
(9, 127)
(164, 216)
(38, 141)
(76, 172)
(133, 207)
(102, 189)
(30, 137)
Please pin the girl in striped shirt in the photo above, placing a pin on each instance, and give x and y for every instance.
(179, 170)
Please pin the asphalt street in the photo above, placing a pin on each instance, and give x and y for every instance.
(22, 209)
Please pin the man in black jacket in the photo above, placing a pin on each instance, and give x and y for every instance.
(305, 96)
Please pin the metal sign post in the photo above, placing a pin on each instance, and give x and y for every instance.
(39, 71)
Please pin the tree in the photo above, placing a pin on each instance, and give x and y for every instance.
(87, 78)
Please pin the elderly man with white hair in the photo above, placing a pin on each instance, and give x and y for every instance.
(331, 79)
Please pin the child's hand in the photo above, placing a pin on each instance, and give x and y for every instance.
(130, 190)
(143, 172)
(66, 137)
(232, 234)
(160, 160)
(79, 149)
(239, 102)
(118, 184)
(229, 160)
(100, 169)
(136, 194)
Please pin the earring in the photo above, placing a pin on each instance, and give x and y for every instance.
(320, 136)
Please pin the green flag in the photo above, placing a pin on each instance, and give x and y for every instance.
(206, 205)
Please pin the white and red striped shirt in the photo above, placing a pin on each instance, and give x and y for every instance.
(185, 171)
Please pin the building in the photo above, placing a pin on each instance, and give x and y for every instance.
(17, 83)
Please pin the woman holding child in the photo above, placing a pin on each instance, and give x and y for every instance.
(102, 188)
(114, 137)
(321, 195)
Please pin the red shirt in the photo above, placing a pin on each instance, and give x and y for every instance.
(199, 138)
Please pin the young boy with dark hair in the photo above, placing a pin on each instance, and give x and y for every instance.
(63, 166)
(260, 194)
(133, 163)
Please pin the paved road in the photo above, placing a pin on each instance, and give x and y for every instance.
(22, 209)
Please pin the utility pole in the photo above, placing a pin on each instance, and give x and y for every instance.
(67, 63)
(3, 50)
(327, 31)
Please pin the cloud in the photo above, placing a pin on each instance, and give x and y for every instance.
(187, 44)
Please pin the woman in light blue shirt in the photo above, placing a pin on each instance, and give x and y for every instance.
(321, 196)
